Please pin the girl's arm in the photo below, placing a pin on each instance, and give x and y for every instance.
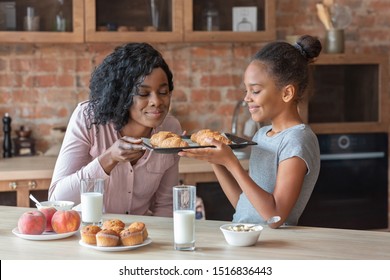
(289, 180)
(228, 183)
(234, 180)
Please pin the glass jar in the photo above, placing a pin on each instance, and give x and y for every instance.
(210, 18)
(60, 21)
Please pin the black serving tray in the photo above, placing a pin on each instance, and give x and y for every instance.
(238, 143)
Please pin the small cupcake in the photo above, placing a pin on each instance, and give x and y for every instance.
(88, 234)
(107, 238)
(134, 234)
(114, 224)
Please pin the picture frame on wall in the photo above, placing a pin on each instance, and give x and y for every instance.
(244, 19)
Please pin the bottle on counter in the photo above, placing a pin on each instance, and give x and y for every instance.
(7, 143)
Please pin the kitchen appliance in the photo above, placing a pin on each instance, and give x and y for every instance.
(352, 189)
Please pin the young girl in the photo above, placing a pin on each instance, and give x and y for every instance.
(285, 163)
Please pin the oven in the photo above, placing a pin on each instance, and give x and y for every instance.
(352, 189)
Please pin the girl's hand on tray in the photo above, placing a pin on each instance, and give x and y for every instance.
(220, 154)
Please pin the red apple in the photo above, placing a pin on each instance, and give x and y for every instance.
(48, 212)
(65, 221)
(32, 222)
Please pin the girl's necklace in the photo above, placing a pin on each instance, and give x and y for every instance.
(272, 132)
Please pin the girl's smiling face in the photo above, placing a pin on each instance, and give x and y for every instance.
(263, 97)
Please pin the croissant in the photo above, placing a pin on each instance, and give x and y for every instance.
(166, 139)
(156, 139)
(219, 137)
(201, 136)
(172, 142)
(194, 136)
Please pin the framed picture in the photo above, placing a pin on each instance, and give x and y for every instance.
(7, 16)
(244, 19)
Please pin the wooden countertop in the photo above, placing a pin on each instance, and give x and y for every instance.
(24, 168)
(41, 167)
(285, 243)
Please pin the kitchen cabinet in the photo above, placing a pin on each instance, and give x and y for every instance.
(123, 21)
(349, 94)
(176, 21)
(20, 176)
(199, 14)
(17, 192)
(44, 16)
(134, 21)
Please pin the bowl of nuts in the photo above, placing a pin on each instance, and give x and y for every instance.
(241, 234)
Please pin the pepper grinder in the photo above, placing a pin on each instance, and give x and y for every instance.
(7, 143)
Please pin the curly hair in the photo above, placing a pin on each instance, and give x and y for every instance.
(115, 81)
(288, 64)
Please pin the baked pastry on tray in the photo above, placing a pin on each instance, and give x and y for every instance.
(201, 136)
(166, 139)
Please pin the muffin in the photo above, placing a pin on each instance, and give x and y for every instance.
(134, 234)
(114, 224)
(107, 238)
(88, 234)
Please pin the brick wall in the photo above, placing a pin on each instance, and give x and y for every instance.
(40, 84)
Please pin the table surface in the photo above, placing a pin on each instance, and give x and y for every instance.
(283, 243)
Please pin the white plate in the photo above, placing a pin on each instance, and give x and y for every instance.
(51, 235)
(116, 248)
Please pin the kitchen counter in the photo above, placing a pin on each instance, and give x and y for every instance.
(285, 243)
(41, 167)
(25, 174)
(22, 168)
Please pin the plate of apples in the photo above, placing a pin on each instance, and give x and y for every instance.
(47, 224)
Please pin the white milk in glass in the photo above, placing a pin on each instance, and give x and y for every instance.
(184, 226)
(91, 207)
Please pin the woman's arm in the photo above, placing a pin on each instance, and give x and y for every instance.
(74, 161)
(124, 149)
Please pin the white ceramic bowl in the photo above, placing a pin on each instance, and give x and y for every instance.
(59, 205)
(241, 238)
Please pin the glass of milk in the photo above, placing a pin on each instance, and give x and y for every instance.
(184, 207)
(92, 191)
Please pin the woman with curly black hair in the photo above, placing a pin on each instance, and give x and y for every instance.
(130, 95)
